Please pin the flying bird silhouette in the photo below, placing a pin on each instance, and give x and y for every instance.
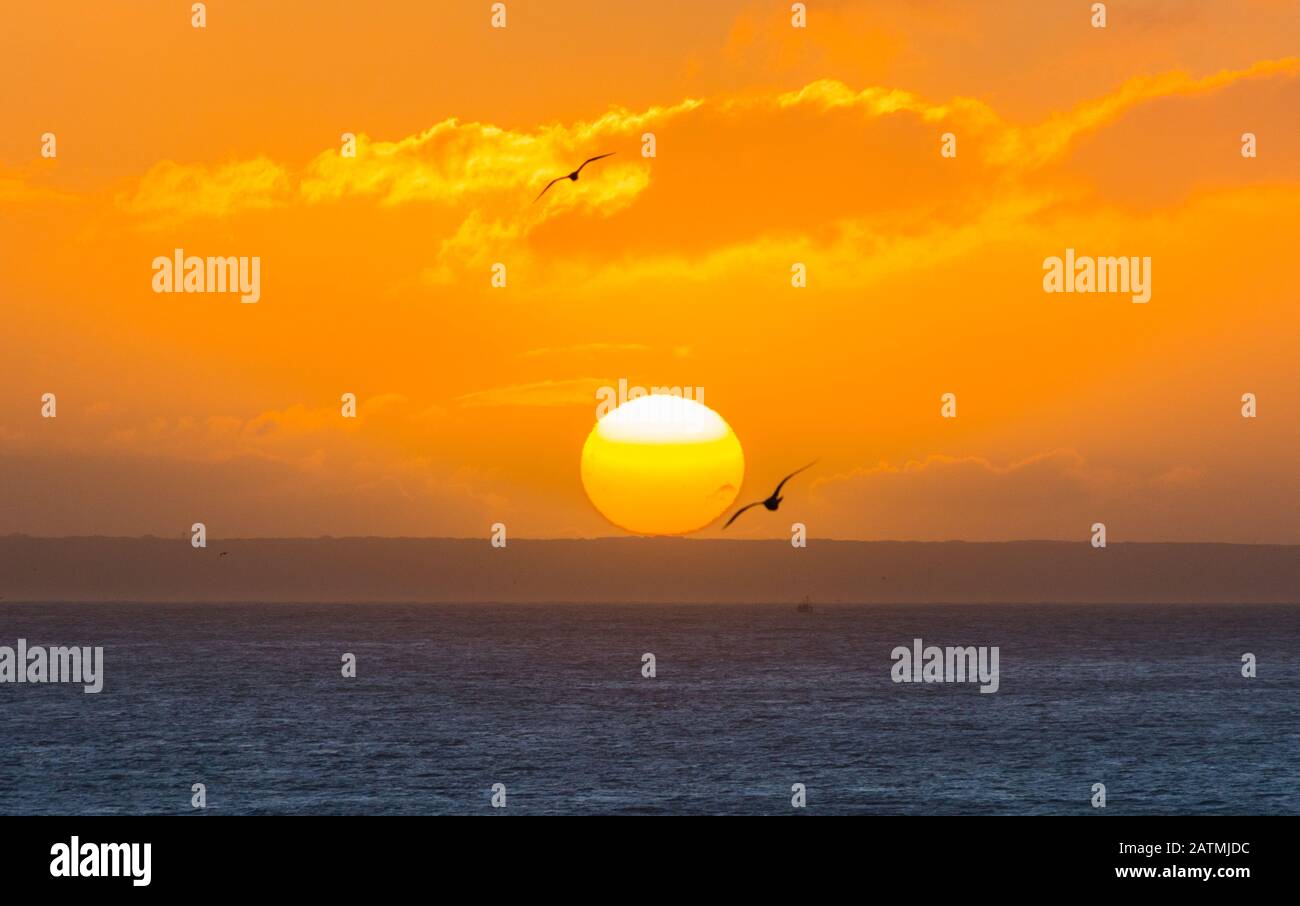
(572, 176)
(771, 502)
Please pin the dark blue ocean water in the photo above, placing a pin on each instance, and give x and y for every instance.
(549, 700)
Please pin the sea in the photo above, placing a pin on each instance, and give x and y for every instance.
(546, 709)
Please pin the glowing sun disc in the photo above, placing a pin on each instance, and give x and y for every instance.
(662, 465)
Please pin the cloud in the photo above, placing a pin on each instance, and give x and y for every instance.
(570, 392)
(296, 470)
(875, 101)
(1035, 145)
(173, 191)
(1056, 494)
(585, 349)
(450, 164)
(920, 270)
(385, 425)
(473, 164)
(17, 191)
(897, 208)
(245, 496)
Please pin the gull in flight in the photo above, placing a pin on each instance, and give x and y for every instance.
(572, 176)
(771, 502)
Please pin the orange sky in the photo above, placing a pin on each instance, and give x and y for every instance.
(775, 145)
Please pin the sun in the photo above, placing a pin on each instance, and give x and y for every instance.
(662, 465)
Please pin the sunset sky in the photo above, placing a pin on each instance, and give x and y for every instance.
(775, 145)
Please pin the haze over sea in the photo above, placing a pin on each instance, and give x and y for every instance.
(749, 699)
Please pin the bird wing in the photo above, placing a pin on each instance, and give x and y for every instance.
(777, 492)
(597, 157)
(548, 185)
(741, 510)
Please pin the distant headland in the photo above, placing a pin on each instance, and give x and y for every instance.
(652, 570)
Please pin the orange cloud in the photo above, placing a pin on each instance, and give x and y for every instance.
(1036, 144)
(1053, 495)
(570, 392)
(175, 190)
(774, 148)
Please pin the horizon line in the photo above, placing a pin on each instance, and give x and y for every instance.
(184, 536)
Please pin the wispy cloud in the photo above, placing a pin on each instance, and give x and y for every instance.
(569, 392)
